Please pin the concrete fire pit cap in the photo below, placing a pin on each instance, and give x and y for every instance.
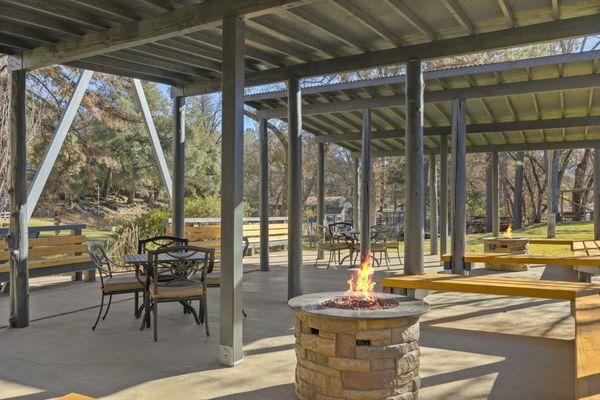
(517, 239)
(312, 303)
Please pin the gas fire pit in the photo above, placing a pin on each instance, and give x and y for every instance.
(506, 244)
(356, 345)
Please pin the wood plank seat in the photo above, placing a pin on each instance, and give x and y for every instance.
(52, 255)
(586, 248)
(481, 257)
(210, 235)
(552, 241)
(585, 298)
(587, 347)
(502, 286)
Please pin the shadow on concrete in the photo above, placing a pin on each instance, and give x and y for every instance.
(531, 367)
(280, 392)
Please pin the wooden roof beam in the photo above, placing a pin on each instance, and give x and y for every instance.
(496, 127)
(180, 21)
(412, 18)
(460, 16)
(531, 146)
(544, 32)
(505, 89)
(508, 12)
(369, 21)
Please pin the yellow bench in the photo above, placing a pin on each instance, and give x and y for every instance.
(586, 248)
(52, 255)
(210, 235)
(481, 257)
(585, 298)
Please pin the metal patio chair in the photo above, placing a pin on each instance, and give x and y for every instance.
(327, 243)
(186, 283)
(112, 283)
(378, 246)
(392, 241)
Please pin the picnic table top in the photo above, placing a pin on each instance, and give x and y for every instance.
(582, 260)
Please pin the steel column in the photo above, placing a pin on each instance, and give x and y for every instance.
(320, 192)
(179, 167)
(495, 196)
(355, 197)
(552, 172)
(596, 193)
(232, 192)
(489, 215)
(443, 194)
(264, 194)
(415, 196)
(154, 140)
(53, 149)
(518, 199)
(365, 223)
(18, 239)
(433, 206)
(294, 188)
(459, 185)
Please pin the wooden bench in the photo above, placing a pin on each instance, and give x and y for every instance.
(586, 248)
(53, 255)
(210, 235)
(587, 347)
(552, 241)
(584, 297)
(481, 257)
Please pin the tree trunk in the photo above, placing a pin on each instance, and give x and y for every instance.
(106, 183)
(578, 204)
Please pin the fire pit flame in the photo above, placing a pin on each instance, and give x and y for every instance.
(361, 283)
(508, 233)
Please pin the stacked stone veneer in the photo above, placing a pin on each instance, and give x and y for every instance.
(362, 359)
(506, 245)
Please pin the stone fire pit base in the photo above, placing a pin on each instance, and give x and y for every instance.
(506, 245)
(340, 358)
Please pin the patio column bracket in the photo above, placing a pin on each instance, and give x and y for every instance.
(165, 175)
(53, 149)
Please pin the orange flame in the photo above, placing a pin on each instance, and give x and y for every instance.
(508, 233)
(362, 279)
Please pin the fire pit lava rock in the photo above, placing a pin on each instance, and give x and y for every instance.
(352, 347)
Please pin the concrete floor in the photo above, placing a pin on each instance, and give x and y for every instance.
(473, 346)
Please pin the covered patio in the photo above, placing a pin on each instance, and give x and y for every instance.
(473, 346)
(200, 47)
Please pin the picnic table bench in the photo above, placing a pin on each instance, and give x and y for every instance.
(585, 258)
(584, 298)
(52, 255)
(210, 235)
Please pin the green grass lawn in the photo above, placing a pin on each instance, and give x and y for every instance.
(564, 230)
(91, 234)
